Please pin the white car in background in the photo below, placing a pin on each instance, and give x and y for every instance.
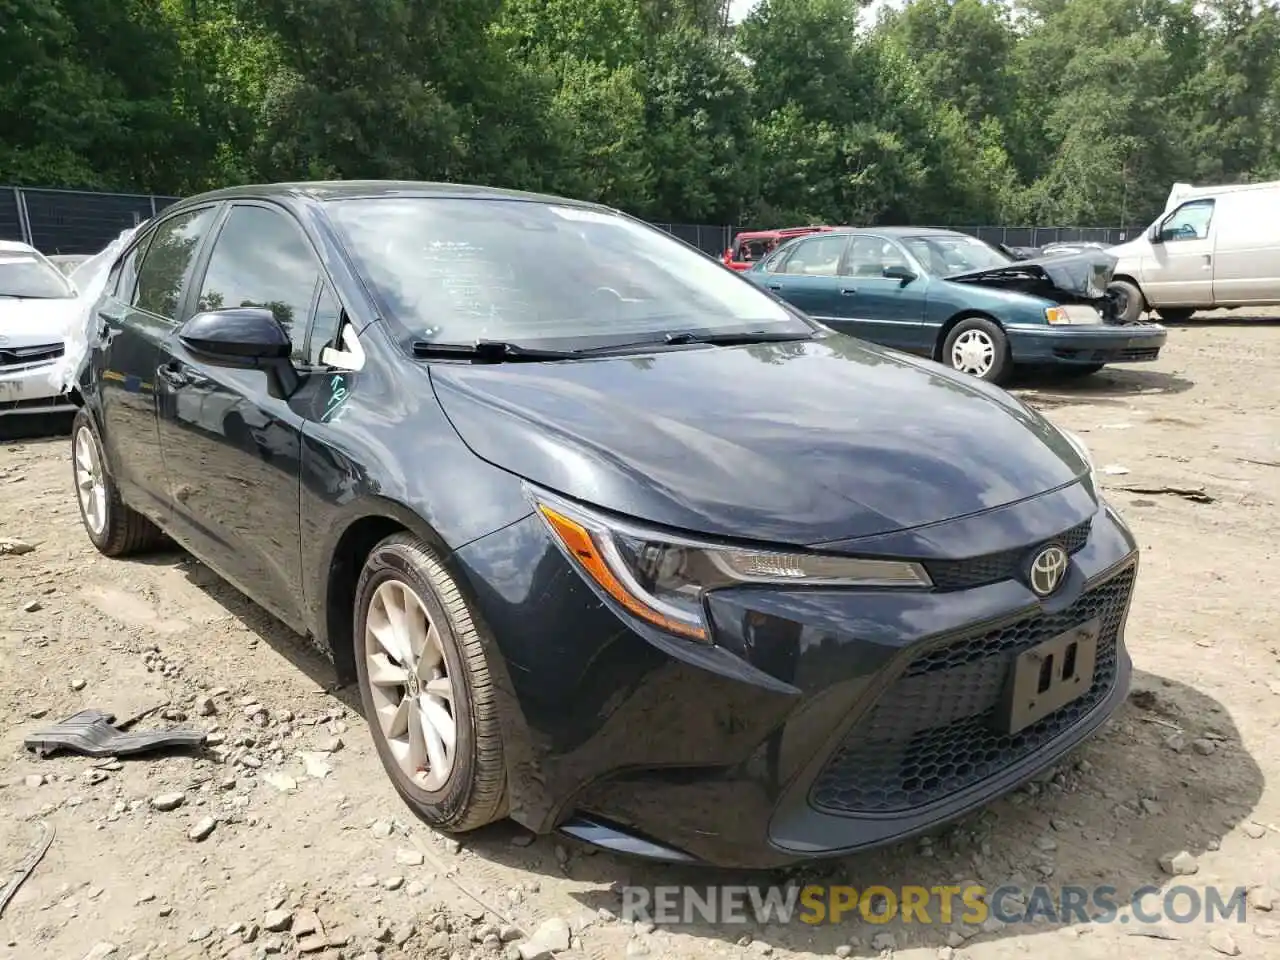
(37, 305)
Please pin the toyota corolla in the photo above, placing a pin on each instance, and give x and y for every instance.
(612, 541)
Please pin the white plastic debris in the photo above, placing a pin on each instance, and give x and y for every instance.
(90, 278)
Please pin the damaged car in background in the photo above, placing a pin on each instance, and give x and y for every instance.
(37, 304)
(957, 300)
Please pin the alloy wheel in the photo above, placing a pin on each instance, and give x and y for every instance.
(90, 487)
(413, 694)
(973, 352)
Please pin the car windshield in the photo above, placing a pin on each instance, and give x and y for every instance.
(28, 277)
(528, 272)
(948, 254)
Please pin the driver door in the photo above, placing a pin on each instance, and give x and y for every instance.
(232, 450)
(1180, 272)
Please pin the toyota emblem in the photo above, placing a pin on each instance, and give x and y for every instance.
(1047, 570)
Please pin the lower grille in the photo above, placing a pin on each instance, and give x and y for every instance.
(1127, 355)
(993, 567)
(933, 732)
(13, 356)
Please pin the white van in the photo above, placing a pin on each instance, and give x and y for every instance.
(1212, 248)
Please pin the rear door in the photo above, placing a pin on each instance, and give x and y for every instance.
(1179, 272)
(136, 313)
(807, 275)
(1246, 254)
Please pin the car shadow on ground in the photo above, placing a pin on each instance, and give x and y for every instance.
(40, 426)
(1168, 774)
(294, 647)
(1110, 385)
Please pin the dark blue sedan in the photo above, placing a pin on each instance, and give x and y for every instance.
(957, 300)
(611, 542)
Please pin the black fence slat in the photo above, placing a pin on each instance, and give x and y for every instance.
(10, 219)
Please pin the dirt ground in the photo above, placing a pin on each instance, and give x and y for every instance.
(300, 825)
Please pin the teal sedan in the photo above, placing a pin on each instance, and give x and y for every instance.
(950, 297)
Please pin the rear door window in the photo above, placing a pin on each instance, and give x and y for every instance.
(816, 256)
(166, 269)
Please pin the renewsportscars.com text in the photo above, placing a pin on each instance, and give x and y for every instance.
(974, 905)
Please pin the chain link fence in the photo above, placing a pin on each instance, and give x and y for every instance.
(81, 221)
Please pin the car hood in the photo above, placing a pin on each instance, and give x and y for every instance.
(28, 323)
(798, 443)
(1075, 276)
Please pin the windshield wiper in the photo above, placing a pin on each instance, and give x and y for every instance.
(733, 339)
(489, 351)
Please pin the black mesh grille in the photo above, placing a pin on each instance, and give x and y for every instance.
(993, 567)
(11, 356)
(933, 732)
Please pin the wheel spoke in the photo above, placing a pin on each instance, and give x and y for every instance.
(417, 629)
(384, 673)
(441, 721)
(439, 687)
(438, 749)
(418, 748)
(395, 719)
(385, 635)
(431, 656)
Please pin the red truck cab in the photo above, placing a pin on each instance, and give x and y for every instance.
(751, 246)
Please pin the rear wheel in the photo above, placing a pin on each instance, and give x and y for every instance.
(978, 347)
(1128, 299)
(113, 527)
(1176, 314)
(425, 685)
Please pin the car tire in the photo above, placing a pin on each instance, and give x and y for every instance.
(1176, 314)
(1129, 300)
(991, 362)
(116, 529)
(404, 578)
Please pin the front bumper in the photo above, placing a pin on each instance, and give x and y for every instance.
(1086, 344)
(822, 721)
(25, 389)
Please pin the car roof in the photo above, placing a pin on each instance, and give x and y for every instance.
(16, 246)
(781, 232)
(325, 190)
(899, 232)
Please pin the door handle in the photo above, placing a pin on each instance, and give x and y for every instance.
(1208, 259)
(848, 291)
(775, 286)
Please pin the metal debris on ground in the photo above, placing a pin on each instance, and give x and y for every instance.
(18, 876)
(91, 732)
(1194, 494)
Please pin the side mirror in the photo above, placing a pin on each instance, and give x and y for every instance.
(247, 338)
(1153, 235)
(903, 274)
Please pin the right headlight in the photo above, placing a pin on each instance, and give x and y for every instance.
(662, 578)
(1087, 457)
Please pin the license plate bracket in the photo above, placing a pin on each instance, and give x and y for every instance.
(1051, 675)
